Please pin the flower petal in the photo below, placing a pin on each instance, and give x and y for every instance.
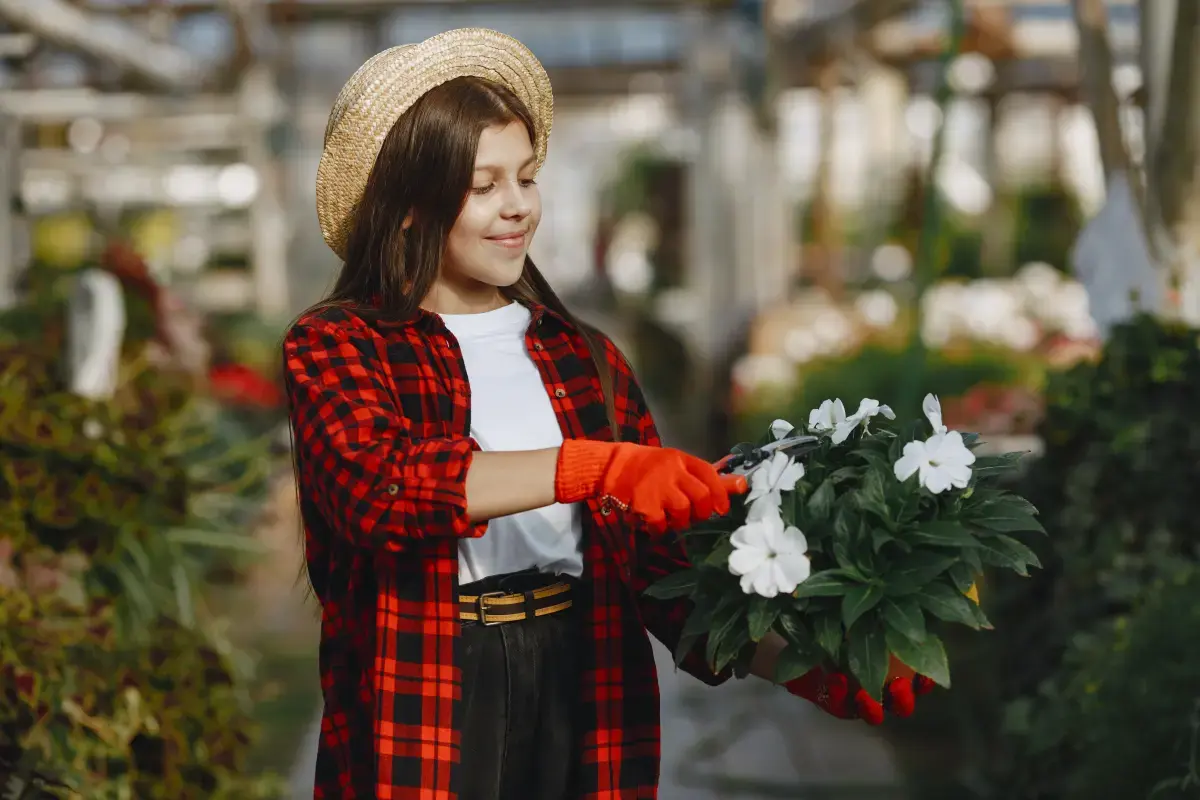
(933, 412)
(887, 412)
(781, 428)
(746, 560)
(764, 582)
(842, 430)
(936, 479)
(763, 509)
(912, 459)
(792, 570)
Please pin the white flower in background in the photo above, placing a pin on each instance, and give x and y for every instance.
(933, 412)
(781, 428)
(767, 483)
(828, 416)
(942, 461)
(867, 408)
(769, 557)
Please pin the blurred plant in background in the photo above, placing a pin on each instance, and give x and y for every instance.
(117, 678)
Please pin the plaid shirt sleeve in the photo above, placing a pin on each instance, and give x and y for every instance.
(660, 556)
(372, 483)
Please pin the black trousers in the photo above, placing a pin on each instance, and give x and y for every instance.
(521, 694)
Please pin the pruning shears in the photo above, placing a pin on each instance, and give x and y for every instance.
(792, 445)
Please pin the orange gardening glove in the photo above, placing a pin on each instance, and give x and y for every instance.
(667, 488)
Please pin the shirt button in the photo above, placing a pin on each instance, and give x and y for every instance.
(538, 346)
(560, 393)
(606, 509)
(393, 489)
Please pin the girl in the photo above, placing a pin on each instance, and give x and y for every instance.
(483, 491)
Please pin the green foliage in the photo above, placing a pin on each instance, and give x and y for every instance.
(1121, 719)
(114, 680)
(1087, 688)
(889, 563)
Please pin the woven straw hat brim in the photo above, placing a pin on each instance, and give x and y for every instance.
(389, 83)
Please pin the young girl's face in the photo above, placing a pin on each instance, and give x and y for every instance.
(486, 247)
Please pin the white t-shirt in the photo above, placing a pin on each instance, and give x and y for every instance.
(510, 410)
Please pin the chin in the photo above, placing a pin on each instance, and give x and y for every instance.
(507, 273)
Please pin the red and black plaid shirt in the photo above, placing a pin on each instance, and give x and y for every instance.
(381, 417)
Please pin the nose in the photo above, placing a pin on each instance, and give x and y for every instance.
(517, 203)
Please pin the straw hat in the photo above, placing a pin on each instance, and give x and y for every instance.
(389, 83)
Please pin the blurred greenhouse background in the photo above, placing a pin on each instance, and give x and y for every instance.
(766, 202)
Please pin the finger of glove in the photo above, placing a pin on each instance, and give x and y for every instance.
(700, 495)
(713, 485)
(677, 507)
(899, 697)
(868, 708)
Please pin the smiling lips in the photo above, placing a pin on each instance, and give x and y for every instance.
(510, 241)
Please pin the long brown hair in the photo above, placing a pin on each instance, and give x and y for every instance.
(424, 169)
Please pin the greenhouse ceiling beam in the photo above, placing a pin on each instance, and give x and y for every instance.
(104, 38)
(293, 10)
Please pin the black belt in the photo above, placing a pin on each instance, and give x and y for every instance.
(498, 608)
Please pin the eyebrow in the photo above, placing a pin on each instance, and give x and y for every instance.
(495, 168)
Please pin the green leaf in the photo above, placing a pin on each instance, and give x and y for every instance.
(1010, 521)
(871, 497)
(991, 466)
(845, 474)
(677, 584)
(1007, 552)
(928, 658)
(829, 634)
(905, 617)
(962, 576)
(791, 625)
(761, 617)
(999, 502)
(970, 557)
(943, 533)
(719, 557)
(700, 620)
(820, 503)
(867, 657)
(829, 583)
(947, 603)
(726, 619)
(796, 661)
(730, 647)
(879, 538)
(684, 647)
(859, 601)
(916, 569)
(980, 618)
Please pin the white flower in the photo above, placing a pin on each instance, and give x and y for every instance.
(781, 428)
(830, 414)
(768, 480)
(933, 412)
(769, 557)
(867, 408)
(942, 460)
